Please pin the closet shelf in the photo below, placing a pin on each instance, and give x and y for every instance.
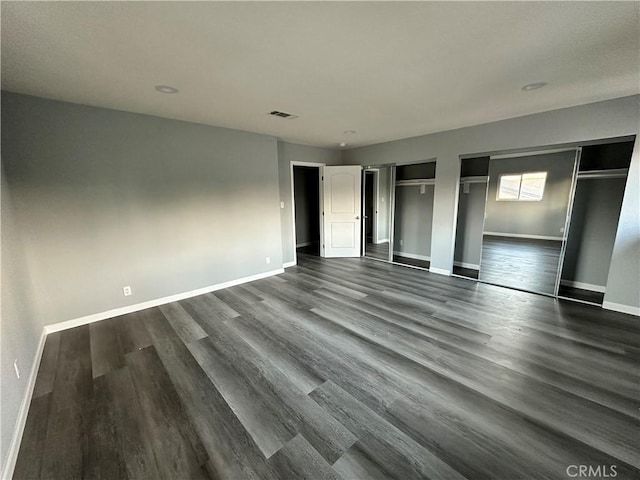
(415, 181)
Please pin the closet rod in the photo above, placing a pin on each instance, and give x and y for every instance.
(415, 181)
(476, 179)
(610, 173)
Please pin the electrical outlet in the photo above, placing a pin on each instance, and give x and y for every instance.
(562, 230)
(281, 204)
(267, 260)
(16, 367)
(401, 242)
(126, 290)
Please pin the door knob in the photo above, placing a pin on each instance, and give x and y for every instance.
(357, 217)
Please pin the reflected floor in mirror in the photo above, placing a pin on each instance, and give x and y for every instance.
(377, 250)
(523, 263)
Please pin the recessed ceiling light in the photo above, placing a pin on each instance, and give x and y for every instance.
(349, 132)
(166, 89)
(533, 86)
(342, 144)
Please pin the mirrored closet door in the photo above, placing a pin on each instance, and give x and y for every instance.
(518, 239)
(413, 214)
(377, 206)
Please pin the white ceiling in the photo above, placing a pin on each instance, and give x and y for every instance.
(388, 70)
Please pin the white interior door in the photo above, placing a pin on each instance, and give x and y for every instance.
(342, 209)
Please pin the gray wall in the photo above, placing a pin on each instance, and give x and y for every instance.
(289, 152)
(574, 125)
(413, 220)
(544, 218)
(105, 198)
(307, 197)
(20, 330)
(470, 224)
(594, 221)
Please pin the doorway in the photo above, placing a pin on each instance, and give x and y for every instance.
(306, 207)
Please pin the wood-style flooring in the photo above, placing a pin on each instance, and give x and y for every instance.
(340, 368)
(522, 263)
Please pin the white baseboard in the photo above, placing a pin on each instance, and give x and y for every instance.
(440, 271)
(18, 431)
(303, 244)
(289, 264)
(415, 256)
(56, 327)
(584, 286)
(523, 235)
(470, 266)
(381, 240)
(619, 307)
(14, 448)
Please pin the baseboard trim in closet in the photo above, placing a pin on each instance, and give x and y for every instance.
(471, 266)
(523, 235)
(415, 256)
(584, 286)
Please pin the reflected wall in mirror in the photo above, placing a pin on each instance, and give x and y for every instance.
(525, 219)
(376, 205)
(474, 176)
(413, 214)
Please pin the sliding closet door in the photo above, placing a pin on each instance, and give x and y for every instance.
(377, 213)
(528, 201)
(472, 197)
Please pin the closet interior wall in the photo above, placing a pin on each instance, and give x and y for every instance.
(413, 214)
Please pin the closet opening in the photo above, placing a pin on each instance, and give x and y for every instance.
(600, 185)
(413, 214)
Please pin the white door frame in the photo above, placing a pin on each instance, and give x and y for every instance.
(294, 163)
(376, 186)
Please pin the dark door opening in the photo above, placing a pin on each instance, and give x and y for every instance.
(306, 192)
(369, 201)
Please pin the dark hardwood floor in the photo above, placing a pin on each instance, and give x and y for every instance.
(414, 262)
(340, 368)
(522, 263)
(581, 294)
(465, 272)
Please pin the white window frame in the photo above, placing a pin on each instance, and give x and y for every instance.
(519, 199)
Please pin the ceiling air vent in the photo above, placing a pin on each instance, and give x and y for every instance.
(289, 116)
